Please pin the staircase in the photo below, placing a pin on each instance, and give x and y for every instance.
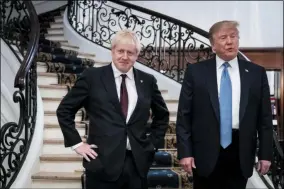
(58, 66)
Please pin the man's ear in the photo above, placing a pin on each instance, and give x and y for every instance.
(213, 47)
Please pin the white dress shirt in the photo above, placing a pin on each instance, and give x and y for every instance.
(234, 73)
(131, 91)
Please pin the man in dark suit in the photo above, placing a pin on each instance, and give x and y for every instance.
(118, 99)
(224, 105)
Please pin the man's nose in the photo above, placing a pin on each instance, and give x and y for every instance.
(229, 39)
(124, 56)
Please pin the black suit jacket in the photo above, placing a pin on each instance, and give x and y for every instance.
(198, 120)
(95, 90)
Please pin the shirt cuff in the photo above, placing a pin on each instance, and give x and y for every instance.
(76, 146)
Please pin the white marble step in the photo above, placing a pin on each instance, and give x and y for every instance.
(47, 78)
(51, 104)
(58, 19)
(56, 133)
(54, 180)
(52, 91)
(55, 31)
(68, 162)
(55, 37)
(50, 117)
(56, 25)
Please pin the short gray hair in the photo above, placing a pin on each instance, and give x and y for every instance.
(126, 36)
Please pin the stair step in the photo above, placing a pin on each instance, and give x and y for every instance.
(48, 91)
(56, 25)
(55, 31)
(67, 162)
(56, 91)
(55, 132)
(57, 180)
(52, 103)
(53, 78)
(50, 117)
(79, 124)
(56, 37)
(58, 19)
(169, 143)
(57, 176)
(69, 47)
(72, 161)
(168, 178)
(47, 78)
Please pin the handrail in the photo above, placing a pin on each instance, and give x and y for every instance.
(163, 16)
(276, 172)
(32, 48)
(20, 31)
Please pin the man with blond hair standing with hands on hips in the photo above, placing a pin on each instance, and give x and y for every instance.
(118, 99)
(224, 106)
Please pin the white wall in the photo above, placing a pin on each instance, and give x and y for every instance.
(9, 68)
(261, 22)
(10, 113)
(45, 6)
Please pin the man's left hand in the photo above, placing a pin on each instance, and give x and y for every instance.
(263, 166)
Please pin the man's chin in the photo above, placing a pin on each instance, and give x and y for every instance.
(124, 69)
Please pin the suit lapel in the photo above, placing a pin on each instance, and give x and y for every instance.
(109, 83)
(139, 89)
(212, 86)
(245, 84)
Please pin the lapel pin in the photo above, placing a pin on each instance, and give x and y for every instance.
(246, 70)
(141, 81)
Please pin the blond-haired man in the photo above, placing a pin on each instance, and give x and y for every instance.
(118, 99)
(224, 104)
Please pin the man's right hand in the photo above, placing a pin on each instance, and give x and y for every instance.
(86, 151)
(187, 164)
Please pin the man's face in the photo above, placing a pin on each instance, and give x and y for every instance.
(124, 56)
(226, 43)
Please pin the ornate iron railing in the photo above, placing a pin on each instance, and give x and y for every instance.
(20, 31)
(276, 172)
(168, 44)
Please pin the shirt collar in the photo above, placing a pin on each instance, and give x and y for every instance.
(219, 62)
(117, 73)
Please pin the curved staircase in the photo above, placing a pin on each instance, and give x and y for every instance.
(59, 65)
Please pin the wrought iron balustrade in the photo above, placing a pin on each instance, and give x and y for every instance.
(168, 45)
(20, 31)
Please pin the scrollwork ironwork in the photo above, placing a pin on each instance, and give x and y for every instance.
(161, 38)
(16, 137)
(276, 171)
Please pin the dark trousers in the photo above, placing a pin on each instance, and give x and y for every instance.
(129, 178)
(227, 173)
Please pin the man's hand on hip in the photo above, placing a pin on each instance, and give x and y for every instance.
(86, 151)
(187, 164)
(263, 166)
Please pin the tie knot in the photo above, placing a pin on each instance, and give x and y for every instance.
(226, 64)
(123, 76)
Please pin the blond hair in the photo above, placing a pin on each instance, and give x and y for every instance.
(128, 37)
(218, 25)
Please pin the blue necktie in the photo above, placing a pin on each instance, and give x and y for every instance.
(225, 107)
